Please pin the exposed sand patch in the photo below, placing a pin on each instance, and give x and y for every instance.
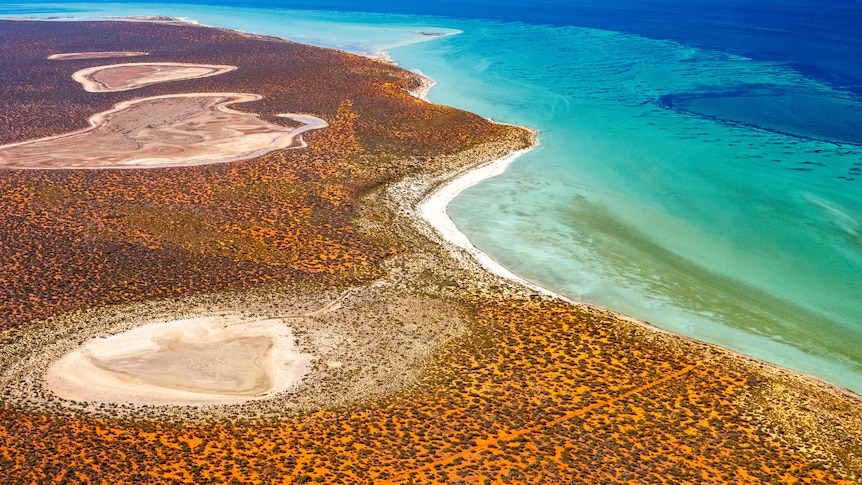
(70, 56)
(208, 360)
(350, 346)
(162, 131)
(125, 77)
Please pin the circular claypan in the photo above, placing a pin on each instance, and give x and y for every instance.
(207, 360)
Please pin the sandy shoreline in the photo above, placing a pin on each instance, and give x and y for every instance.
(432, 341)
(431, 211)
(426, 84)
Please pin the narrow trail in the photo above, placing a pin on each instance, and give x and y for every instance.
(482, 444)
(329, 307)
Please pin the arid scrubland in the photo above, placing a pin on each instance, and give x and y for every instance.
(425, 368)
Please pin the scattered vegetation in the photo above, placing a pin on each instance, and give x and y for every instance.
(533, 390)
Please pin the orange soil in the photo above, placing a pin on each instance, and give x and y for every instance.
(495, 441)
(537, 392)
(607, 411)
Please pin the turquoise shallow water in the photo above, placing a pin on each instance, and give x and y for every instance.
(709, 194)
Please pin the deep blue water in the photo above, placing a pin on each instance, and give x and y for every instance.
(819, 38)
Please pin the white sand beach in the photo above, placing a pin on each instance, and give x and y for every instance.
(432, 210)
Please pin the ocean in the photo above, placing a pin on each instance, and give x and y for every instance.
(700, 166)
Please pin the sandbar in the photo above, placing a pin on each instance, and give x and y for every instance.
(162, 131)
(205, 360)
(125, 77)
(71, 56)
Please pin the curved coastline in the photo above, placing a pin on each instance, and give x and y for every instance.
(422, 204)
(421, 93)
(780, 402)
(431, 210)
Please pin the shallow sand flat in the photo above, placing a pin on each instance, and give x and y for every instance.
(206, 360)
(162, 131)
(227, 367)
(125, 77)
(71, 56)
